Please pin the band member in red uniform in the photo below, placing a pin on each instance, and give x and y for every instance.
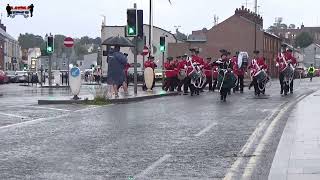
(239, 71)
(215, 76)
(182, 70)
(257, 64)
(208, 70)
(293, 62)
(150, 63)
(283, 61)
(170, 74)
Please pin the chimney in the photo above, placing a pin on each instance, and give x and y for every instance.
(302, 26)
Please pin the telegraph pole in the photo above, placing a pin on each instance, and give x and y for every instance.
(255, 24)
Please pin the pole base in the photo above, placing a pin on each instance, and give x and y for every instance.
(75, 97)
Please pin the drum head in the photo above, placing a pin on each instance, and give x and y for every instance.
(148, 77)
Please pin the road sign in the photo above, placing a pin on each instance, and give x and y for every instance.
(145, 51)
(75, 81)
(68, 42)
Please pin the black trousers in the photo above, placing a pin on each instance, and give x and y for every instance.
(240, 84)
(169, 84)
(256, 85)
(282, 83)
(186, 84)
(223, 93)
(214, 86)
(209, 81)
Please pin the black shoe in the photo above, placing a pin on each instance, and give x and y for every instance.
(241, 91)
(225, 100)
(229, 93)
(221, 98)
(185, 93)
(198, 93)
(291, 92)
(281, 92)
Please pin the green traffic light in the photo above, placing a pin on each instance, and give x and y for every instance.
(162, 48)
(49, 49)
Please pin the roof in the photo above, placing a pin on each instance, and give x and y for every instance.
(5, 34)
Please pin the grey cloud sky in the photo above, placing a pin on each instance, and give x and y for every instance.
(83, 17)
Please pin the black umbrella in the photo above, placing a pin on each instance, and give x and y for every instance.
(118, 41)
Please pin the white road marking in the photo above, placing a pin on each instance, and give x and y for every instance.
(257, 153)
(13, 115)
(206, 129)
(152, 166)
(250, 143)
(42, 119)
(31, 122)
(49, 108)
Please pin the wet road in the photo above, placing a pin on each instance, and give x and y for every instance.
(169, 138)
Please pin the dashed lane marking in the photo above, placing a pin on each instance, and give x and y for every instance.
(148, 170)
(206, 129)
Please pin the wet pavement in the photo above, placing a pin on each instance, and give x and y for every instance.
(178, 137)
(297, 156)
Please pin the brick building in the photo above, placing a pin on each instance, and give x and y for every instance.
(237, 33)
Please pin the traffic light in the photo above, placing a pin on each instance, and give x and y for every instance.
(140, 23)
(132, 28)
(50, 44)
(162, 44)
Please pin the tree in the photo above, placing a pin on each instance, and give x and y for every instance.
(303, 40)
(292, 26)
(27, 41)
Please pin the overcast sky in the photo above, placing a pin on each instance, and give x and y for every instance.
(77, 18)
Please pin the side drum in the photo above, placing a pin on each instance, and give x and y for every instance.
(288, 72)
(261, 76)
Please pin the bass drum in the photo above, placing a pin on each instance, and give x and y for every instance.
(243, 59)
(228, 81)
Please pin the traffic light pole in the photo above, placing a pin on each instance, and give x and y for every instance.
(162, 68)
(49, 70)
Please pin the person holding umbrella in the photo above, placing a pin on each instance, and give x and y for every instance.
(116, 70)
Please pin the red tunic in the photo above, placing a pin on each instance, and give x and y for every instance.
(170, 70)
(126, 68)
(238, 71)
(207, 69)
(149, 63)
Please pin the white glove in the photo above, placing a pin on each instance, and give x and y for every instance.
(277, 65)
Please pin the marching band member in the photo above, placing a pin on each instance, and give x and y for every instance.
(208, 71)
(292, 61)
(170, 74)
(215, 76)
(239, 71)
(283, 61)
(226, 76)
(257, 64)
(182, 67)
(150, 63)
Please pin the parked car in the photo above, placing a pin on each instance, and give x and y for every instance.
(131, 75)
(158, 74)
(22, 76)
(12, 76)
(3, 77)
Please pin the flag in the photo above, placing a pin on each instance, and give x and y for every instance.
(169, 1)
